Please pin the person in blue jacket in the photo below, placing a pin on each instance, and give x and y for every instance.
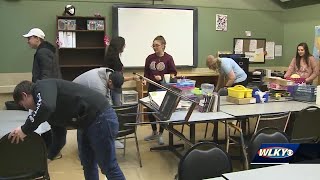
(230, 73)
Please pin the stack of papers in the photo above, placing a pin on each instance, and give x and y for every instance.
(210, 103)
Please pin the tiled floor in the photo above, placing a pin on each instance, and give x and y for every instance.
(156, 165)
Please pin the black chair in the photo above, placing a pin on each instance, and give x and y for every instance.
(306, 126)
(128, 114)
(204, 160)
(264, 135)
(26, 160)
(11, 105)
(275, 120)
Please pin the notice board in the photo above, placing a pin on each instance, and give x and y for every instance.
(253, 48)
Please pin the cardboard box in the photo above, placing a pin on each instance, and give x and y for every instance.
(241, 100)
(278, 80)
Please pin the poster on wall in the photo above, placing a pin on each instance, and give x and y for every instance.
(278, 50)
(316, 47)
(221, 22)
(270, 50)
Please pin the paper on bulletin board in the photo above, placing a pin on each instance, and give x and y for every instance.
(270, 50)
(259, 55)
(238, 48)
(278, 50)
(253, 45)
(250, 56)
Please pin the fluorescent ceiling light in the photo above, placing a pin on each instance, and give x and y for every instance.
(284, 0)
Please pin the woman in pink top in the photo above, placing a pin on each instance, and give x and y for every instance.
(304, 64)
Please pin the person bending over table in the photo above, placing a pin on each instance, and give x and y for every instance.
(103, 80)
(67, 104)
(156, 65)
(228, 69)
(304, 64)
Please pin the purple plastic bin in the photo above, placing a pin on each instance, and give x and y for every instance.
(292, 89)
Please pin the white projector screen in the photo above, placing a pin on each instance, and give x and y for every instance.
(139, 25)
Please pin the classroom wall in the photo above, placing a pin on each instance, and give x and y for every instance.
(299, 26)
(263, 18)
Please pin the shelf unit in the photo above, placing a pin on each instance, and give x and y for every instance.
(86, 47)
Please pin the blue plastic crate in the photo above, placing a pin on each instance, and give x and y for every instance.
(305, 93)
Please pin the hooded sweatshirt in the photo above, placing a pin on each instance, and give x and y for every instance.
(45, 63)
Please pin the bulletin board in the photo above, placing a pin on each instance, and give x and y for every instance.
(253, 48)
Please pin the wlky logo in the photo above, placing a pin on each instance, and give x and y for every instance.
(275, 152)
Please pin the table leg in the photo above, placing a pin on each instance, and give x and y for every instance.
(193, 133)
(215, 131)
(170, 147)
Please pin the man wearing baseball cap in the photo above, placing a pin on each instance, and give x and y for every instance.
(45, 65)
(35, 32)
(103, 80)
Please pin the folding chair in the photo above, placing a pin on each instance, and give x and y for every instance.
(276, 120)
(264, 135)
(306, 126)
(128, 114)
(26, 160)
(204, 160)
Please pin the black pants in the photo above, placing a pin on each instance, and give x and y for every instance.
(47, 138)
(150, 116)
(55, 140)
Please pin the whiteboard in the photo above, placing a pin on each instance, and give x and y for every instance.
(139, 25)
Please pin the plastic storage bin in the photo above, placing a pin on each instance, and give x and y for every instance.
(186, 86)
(297, 80)
(129, 97)
(292, 89)
(305, 93)
(207, 88)
(239, 91)
(186, 83)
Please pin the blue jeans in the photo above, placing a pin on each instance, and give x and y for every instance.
(116, 98)
(96, 146)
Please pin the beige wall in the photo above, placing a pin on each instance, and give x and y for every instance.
(9, 80)
(3, 98)
(7, 84)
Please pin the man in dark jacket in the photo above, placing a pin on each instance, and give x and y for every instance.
(45, 65)
(67, 104)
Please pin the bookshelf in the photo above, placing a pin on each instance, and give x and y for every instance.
(81, 44)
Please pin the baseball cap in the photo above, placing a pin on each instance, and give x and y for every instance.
(117, 81)
(35, 32)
